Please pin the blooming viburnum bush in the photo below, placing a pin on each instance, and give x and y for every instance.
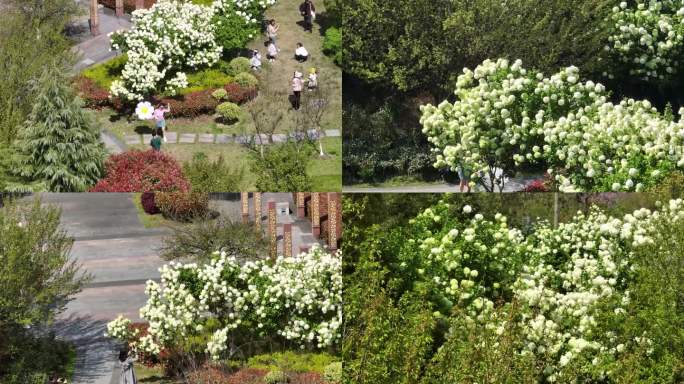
(298, 299)
(167, 39)
(648, 38)
(557, 285)
(507, 116)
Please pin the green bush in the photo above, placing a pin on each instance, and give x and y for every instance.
(229, 112)
(239, 65)
(292, 361)
(182, 206)
(206, 79)
(219, 94)
(332, 44)
(282, 168)
(333, 373)
(104, 73)
(246, 79)
(206, 175)
(276, 377)
(233, 33)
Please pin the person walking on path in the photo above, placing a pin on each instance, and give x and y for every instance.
(156, 141)
(301, 54)
(463, 178)
(312, 80)
(271, 52)
(159, 118)
(127, 370)
(297, 85)
(308, 10)
(272, 31)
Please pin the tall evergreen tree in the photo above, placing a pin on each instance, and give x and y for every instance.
(57, 148)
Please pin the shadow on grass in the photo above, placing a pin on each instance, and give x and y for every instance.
(143, 129)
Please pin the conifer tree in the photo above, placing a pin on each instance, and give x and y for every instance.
(57, 148)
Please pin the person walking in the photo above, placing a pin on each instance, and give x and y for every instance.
(127, 371)
(156, 141)
(308, 11)
(463, 178)
(297, 85)
(272, 31)
(158, 115)
(271, 52)
(312, 80)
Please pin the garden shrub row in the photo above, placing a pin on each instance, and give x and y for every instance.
(141, 171)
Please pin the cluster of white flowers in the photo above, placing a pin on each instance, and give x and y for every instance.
(119, 328)
(298, 298)
(648, 37)
(247, 9)
(506, 115)
(165, 40)
(565, 274)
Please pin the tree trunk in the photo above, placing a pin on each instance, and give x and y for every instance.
(94, 19)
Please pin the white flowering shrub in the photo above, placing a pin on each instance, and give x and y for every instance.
(561, 281)
(165, 41)
(119, 328)
(648, 38)
(507, 117)
(298, 299)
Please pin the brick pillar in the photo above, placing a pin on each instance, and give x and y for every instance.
(287, 240)
(315, 214)
(94, 19)
(257, 211)
(119, 8)
(244, 199)
(332, 221)
(300, 205)
(272, 229)
(139, 4)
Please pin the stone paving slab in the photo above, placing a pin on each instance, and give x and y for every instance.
(171, 137)
(187, 138)
(206, 138)
(279, 138)
(223, 139)
(333, 133)
(242, 139)
(132, 139)
(147, 138)
(313, 134)
(262, 139)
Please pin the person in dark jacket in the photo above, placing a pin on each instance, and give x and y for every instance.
(308, 10)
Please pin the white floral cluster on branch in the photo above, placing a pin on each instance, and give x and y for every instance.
(506, 116)
(648, 38)
(297, 298)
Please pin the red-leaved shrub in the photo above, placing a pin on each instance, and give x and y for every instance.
(92, 94)
(142, 171)
(238, 94)
(191, 105)
(538, 185)
(182, 206)
(148, 203)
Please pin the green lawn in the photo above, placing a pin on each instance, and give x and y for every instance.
(149, 221)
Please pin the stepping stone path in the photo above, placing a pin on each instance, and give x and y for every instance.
(206, 138)
(210, 138)
(187, 138)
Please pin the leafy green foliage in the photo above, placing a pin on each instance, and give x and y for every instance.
(213, 175)
(238, 65)
(58, 148)
(37, 279)
(246, 79)
(232, 33)
(282, 168)
(291, 361)
(206, 79)
(219, 94)
(332, 44)
(333, 373)
(229, 112)
(104, 73)
(276, 377)
(202, 238)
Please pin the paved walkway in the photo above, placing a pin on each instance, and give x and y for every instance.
(97, 49)
(210, 138)
(513, 185)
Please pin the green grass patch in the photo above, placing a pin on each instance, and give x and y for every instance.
(149, 221)
(292, 361)
(326, 173)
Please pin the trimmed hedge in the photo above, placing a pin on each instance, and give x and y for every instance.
(183, 206)
(246, 79)
(229, 112)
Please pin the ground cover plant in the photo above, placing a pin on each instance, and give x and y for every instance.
(487, 299)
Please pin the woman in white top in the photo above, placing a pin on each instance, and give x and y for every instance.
(272, 31)
(301, 54)
(297, 85)
(255, 61)
(272, 52)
